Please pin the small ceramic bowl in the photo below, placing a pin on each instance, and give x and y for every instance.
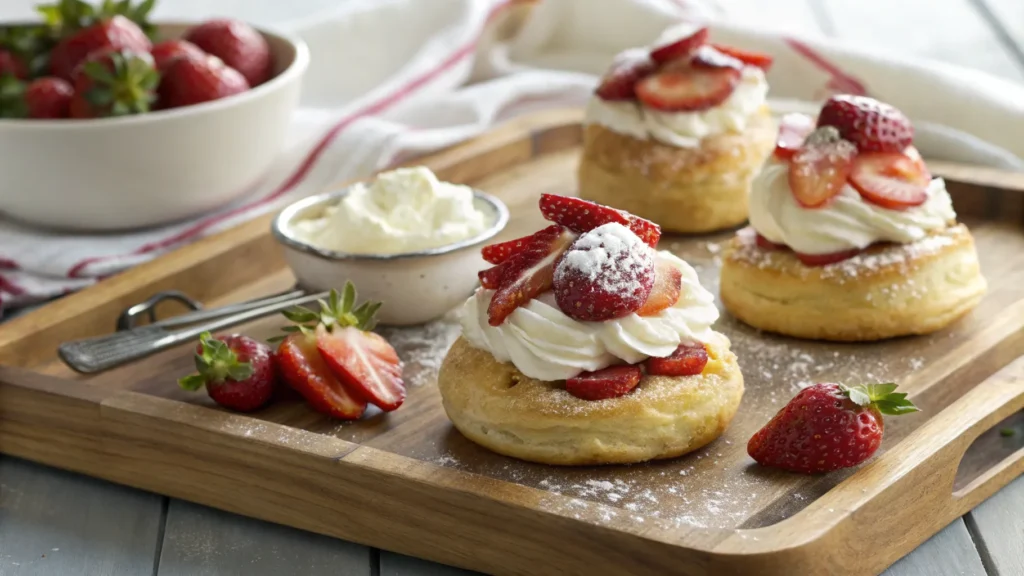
(415, 287)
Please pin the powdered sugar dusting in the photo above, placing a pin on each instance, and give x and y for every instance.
(611, 257)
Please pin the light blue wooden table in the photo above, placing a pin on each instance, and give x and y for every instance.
(54, 523)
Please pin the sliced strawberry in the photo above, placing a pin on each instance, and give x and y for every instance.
(793, 130)
(688, 360)
(668, 284)
(365, 364)
(685, 91)
(758, 59)
(767, 244)
(710, 57)
(626, 70)
(583, 216)
(491, 278)
(528, 273)
(303, 368)
(818, 171)
(890, 180)
(607, 383)
(826, 259)
(607, 273)
(680, 48)
(498, 253)
(872, 125)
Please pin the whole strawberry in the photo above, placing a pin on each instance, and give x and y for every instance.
(117, 33)
(872, 125)
(827, 427)
(239, 45)
(12, 64)
(114, 83)
(192, 80)
(48, 98)
(239, 373)
(168, 50)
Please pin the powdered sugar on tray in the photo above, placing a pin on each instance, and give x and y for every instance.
(422, 349)
(611, 257)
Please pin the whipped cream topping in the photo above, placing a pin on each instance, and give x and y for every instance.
(847, 222)
(546, 344)
(404, 210)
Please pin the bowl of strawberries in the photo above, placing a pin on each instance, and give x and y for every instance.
(110, 122)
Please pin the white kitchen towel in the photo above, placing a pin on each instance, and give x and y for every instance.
(392, 79)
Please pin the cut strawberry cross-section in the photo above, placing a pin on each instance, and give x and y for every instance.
(711, 57)
(528, 273)
(304, 369)
(365, 363)
(626, 70)
(607, 383)
(491, 277)
(890, 180)
(498, 253)
(688, 360)
(680, 48)
(758, 59)
(688, 90)
(668, 283)
(582, 216)
(793, 130)
(818, 171)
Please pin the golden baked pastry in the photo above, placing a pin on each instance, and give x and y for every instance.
(888, 290)
(687, 190)
(496, 406)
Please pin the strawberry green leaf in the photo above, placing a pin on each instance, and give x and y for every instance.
(895, 407)
(240, 371)
(880, 391)
(859, 396)
(192, 383)
(349, 299)
(300, 315)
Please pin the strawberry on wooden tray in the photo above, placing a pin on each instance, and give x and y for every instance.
(238, 372)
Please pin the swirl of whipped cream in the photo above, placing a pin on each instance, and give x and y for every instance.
(847, 222)
(682, 129)
(544, 343)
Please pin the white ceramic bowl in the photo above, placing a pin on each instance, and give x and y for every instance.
(156, 168)
(415, 287)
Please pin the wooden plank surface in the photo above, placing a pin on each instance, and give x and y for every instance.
(57, 523)
(998, 529)
(392, 564)
(948, 553)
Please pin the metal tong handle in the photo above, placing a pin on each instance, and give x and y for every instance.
(100, 353)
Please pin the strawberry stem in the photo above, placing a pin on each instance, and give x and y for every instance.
(336, 311)
(882, 396)
(215, 363)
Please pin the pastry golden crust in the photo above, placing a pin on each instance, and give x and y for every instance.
(888, 291)
(496, 406)
(687, 190)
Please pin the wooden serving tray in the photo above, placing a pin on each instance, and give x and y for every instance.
(408, 482)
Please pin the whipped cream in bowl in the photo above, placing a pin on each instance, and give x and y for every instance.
(405, 238)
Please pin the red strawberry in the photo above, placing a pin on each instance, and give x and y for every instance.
(583, 216)
(818, 171)
(668, 283)
(117, 33)
(710, 57)
(607, 273)
(686, 91)
(194, 80)
(793, 130)
(688, 360)
(528, 273)
(827, 427)
(239, 373)
(48, 98)
(826, 259)
(872, 125)
(239, 45)
(491, 277)
(890, 180)
(168, 50)
(626, 70)
(365, 363)
(758, 59)
(680, 48)
(114, 82)
(607, 383)
(767, 244)
(11, 64)
(304, 369)
(498, 253)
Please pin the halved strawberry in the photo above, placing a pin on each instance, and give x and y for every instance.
(668, 283)
(710, 57)
(793, 130)
(818, 171)
(890, 180)
(583, 216)
(491, 277)
(528, 273)
(685, 91)
(365, 363)
(680, 48)
(826, 259)
(607, 383)
(625, 71)
(688, 360)
(498, 253)
(767, 244)
(758, 59)
(303, 368)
